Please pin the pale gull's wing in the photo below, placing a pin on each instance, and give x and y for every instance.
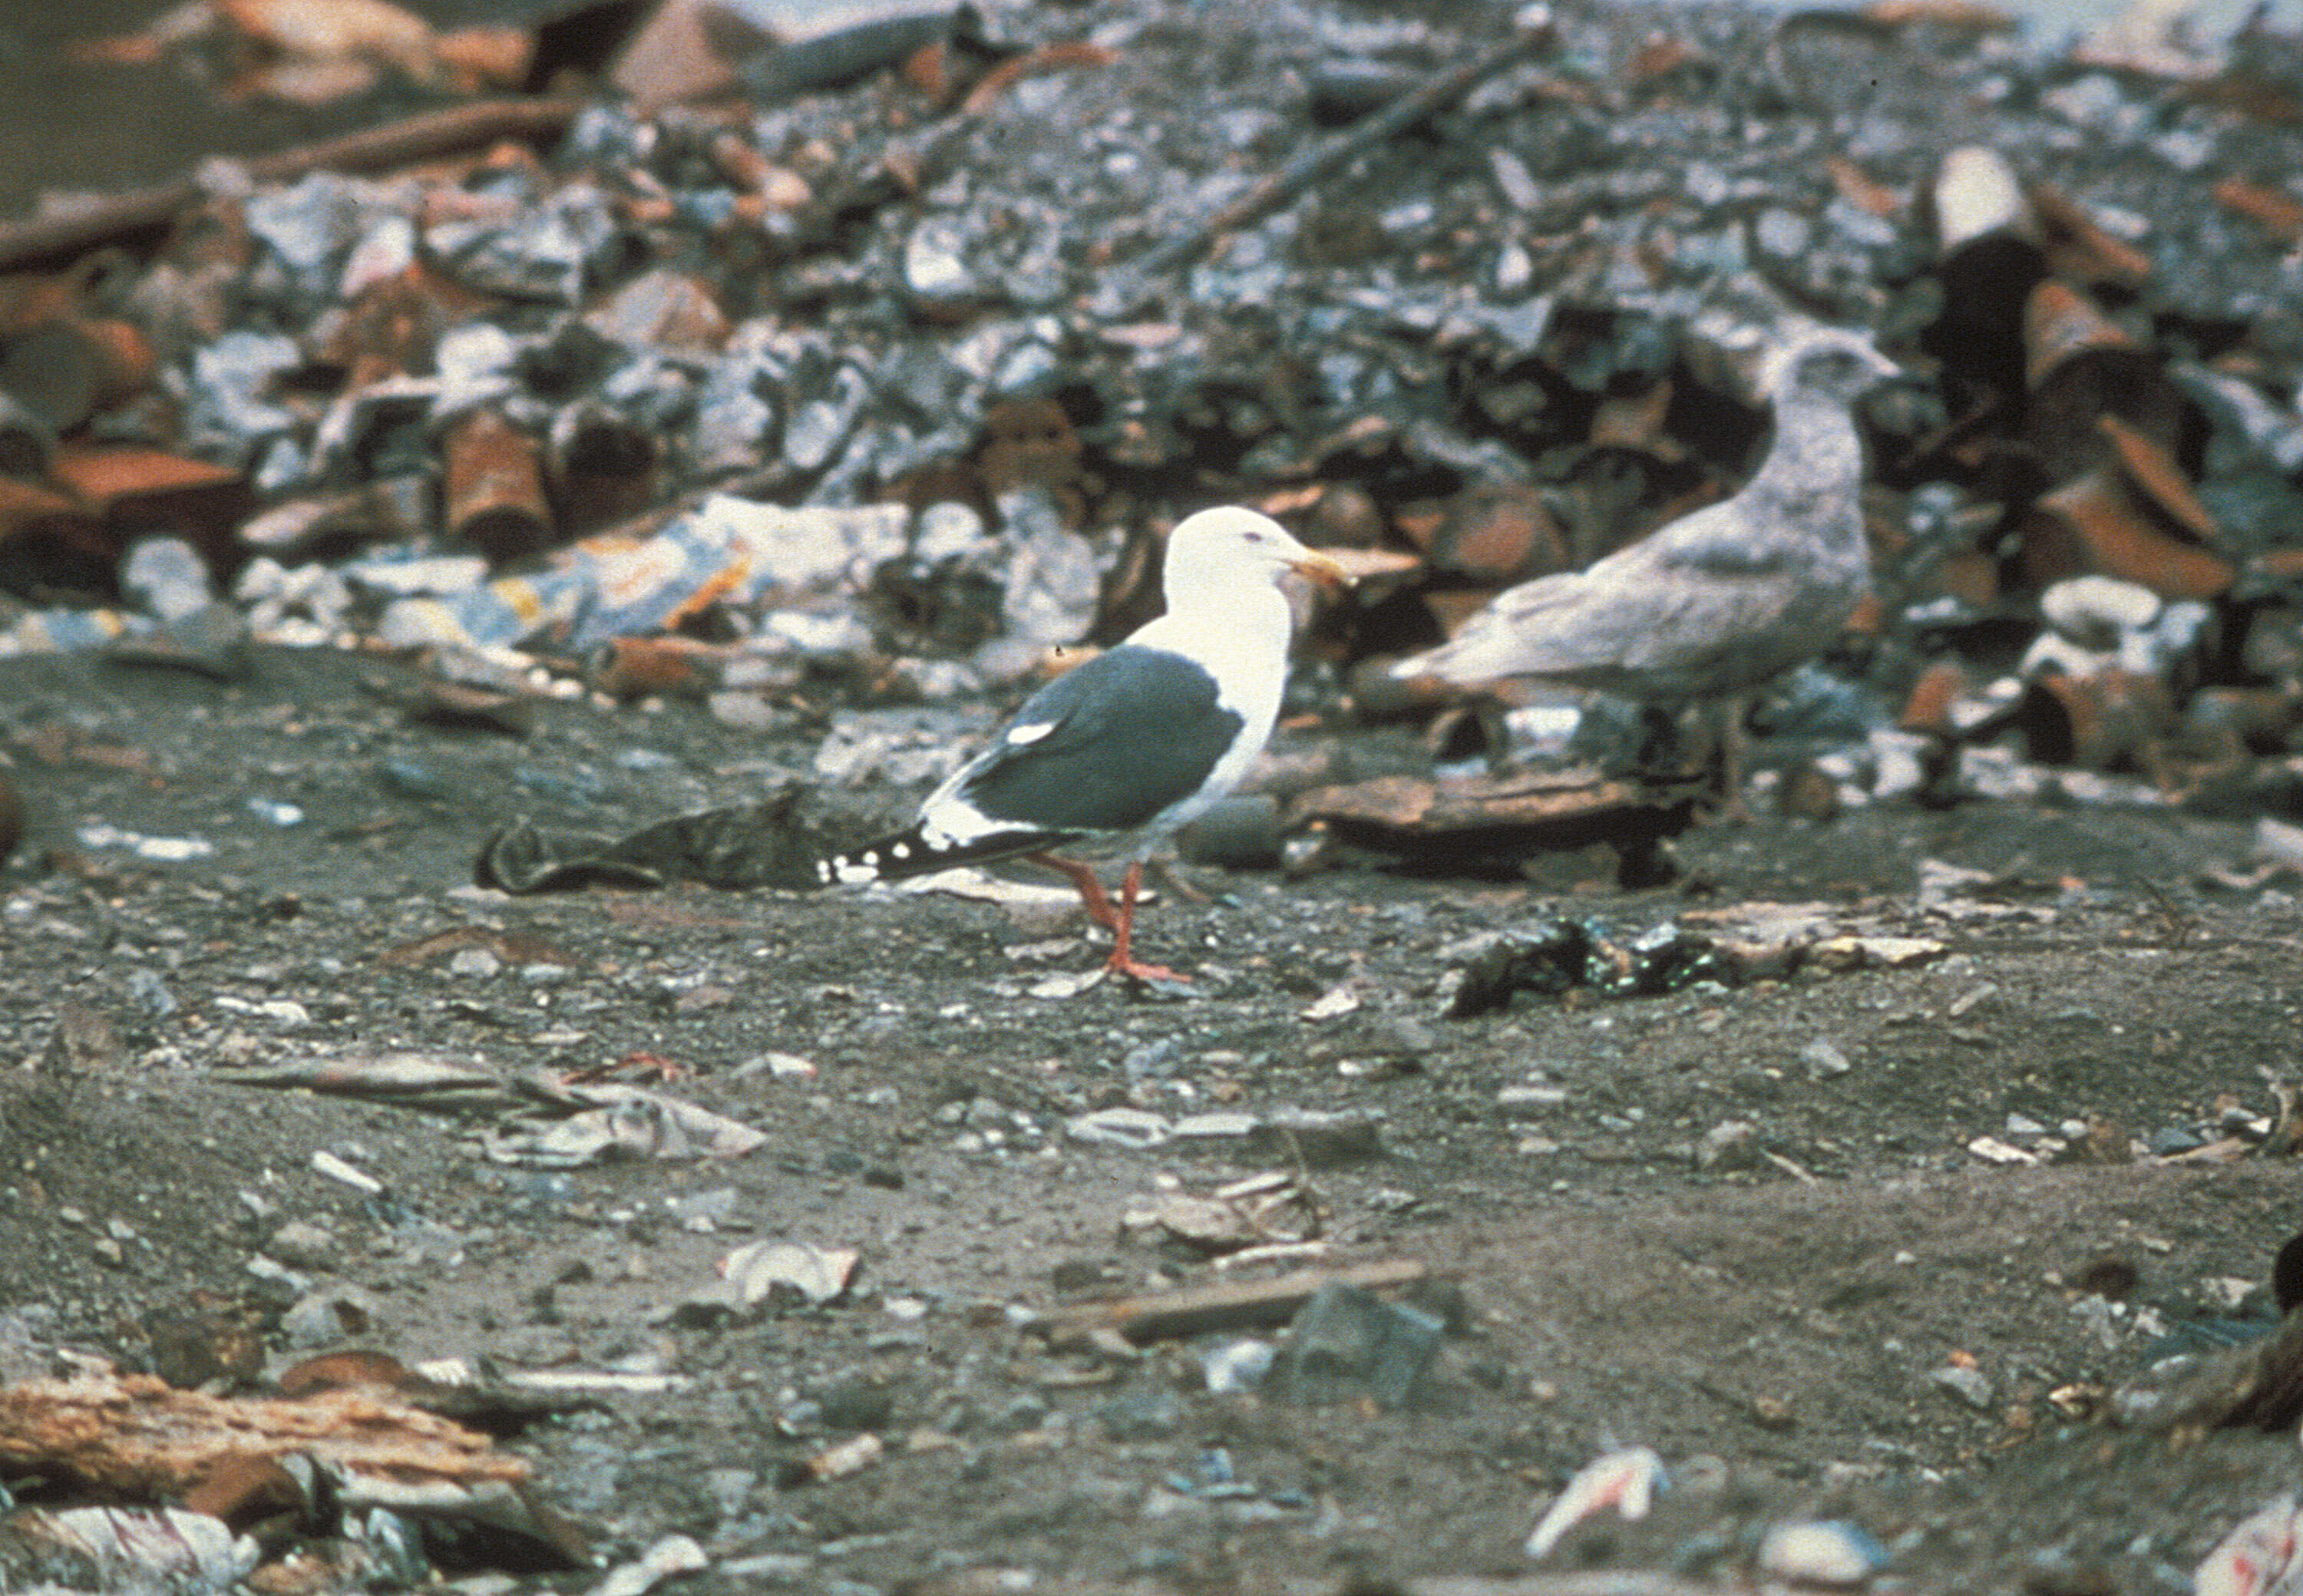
(1680, 614)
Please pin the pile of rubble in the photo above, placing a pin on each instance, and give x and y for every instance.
(869, 375)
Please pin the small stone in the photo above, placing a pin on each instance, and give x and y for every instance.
(1963, 1004)
(704, 1211)
(474, 964)
(1023, 1413)
(301, 1245)
(1783, 233)
(1824, 1059)
(275, 1281)
(1119, 1128)
(1231, 1367)
(1991, 1150)
(324, 1162)
(2187, 149)
(1152, 1058)
(1530, 1101)
(741, 710)
(933, 270)
(1705, 184)
(1221, 1125)
(2095, 100)
(1828, 1553)
(730, 1489)
(1730, 1146)
(1401, 1035)
(1898, 762)
(1321, 1139)
(784, 1066)
(1965, 1385)
(331, 1314)
(672, 1556)
(1150, 1413)
(147, 993)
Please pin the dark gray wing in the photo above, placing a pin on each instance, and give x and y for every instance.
(1132, 731)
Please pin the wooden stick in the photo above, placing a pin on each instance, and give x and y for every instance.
(1194, 1310)
(1320, 165)
(400, 143)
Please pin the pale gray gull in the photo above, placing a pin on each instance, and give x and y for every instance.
(1712, 605)
(1133, 744)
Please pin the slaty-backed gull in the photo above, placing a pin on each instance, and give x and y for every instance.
(1133, 743)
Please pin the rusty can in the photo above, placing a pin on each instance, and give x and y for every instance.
(604, 467)
(2100, 523)
(66, 369)
(495, 500)
(2113, 719)
(629, 668)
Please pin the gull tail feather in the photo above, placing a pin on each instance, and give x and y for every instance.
(1479, 656)
(916, 853)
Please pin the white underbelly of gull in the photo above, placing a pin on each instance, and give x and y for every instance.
(1722, 599)
(1133, 744)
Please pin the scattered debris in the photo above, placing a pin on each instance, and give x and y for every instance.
(2258, 1558)
(137, 1436)
(1626, 1481)
(767, 1270)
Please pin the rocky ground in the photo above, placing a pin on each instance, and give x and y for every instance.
(1882, 1218)
(1793, 1316)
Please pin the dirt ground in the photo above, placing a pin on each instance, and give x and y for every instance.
(1772, 1325)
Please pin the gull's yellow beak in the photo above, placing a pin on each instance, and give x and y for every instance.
(1321, 570)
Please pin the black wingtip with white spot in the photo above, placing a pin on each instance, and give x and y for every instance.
(911, 853)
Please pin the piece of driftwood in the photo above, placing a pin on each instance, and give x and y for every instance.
(420, 138)
(1508, 817)
(1243, 1305)
(138, 1436)
(1407, 806)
